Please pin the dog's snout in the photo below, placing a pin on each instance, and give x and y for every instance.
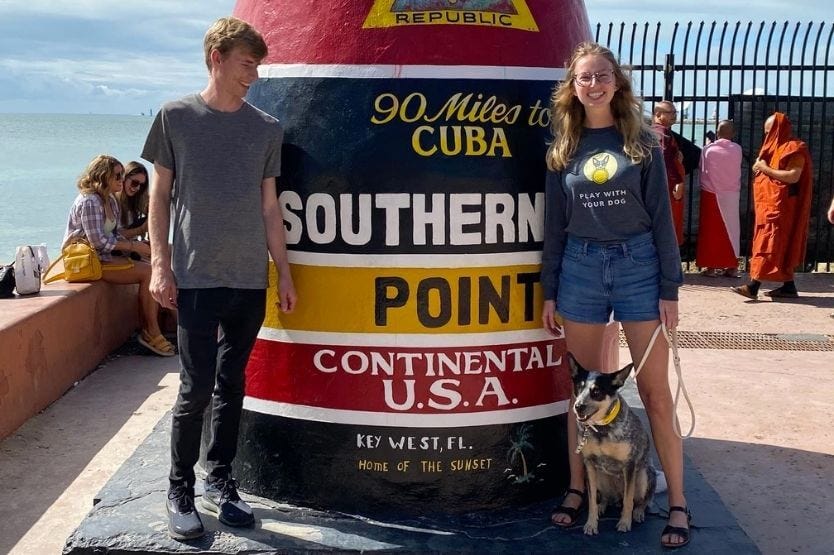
(580, 409)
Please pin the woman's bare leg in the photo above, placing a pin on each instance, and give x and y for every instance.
(653, 385)
(584, 342)
(141, 274)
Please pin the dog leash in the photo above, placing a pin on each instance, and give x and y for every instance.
(672, 340)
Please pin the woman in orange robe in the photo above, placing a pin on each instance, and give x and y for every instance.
(782, 200)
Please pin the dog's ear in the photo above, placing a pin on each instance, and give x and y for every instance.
(621, 375)
(575, 367)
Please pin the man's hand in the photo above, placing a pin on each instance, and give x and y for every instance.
(287, 297)
(677, 191)
(163, 287)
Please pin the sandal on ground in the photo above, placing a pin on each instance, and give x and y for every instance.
(711, 272)
(571, 512)
(782, 294)
(678, 531)
(744, 291)
(158, 344)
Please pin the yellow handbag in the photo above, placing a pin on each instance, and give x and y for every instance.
(81, 264)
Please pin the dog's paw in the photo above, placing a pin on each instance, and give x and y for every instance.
(624, 525)
(639, 514)
(591, 527)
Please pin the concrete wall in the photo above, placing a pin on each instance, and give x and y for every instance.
(51, 340)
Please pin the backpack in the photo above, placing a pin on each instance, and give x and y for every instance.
(6, 281)
(29, 262)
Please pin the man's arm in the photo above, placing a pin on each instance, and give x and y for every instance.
(163, 286)
(277, 243)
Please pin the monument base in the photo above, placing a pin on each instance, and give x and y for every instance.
(129, 517)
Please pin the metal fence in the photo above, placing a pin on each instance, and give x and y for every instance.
(744, 72)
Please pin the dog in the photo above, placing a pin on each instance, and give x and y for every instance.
(614, 447)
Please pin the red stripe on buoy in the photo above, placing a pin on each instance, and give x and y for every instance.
(409, 380)
(337, 33)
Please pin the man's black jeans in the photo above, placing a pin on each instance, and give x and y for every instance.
(216, 331)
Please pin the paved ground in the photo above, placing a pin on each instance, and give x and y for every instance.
(763, 438)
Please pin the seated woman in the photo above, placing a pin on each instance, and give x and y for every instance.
(93, 218)
(133, 202)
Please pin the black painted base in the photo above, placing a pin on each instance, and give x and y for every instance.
(129, 517)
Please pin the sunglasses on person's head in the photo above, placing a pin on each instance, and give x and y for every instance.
(601, 77)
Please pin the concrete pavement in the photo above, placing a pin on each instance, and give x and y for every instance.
(763, 438)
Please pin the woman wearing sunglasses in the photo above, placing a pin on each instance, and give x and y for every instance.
(133, 200)
(94, 218)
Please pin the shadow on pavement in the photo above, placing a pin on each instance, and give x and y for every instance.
(51, 451)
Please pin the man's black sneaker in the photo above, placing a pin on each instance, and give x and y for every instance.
(183, 519)
(221, 498)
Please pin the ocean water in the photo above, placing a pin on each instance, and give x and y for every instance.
(41, 158)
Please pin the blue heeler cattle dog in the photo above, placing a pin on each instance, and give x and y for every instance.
(614, 447)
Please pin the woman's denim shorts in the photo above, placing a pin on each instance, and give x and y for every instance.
(599, 278)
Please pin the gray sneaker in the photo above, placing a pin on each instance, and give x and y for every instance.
(183, 519)
(221, 498)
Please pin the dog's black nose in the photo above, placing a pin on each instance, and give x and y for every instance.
(580, 408)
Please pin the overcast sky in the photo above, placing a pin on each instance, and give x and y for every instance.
(127, 57)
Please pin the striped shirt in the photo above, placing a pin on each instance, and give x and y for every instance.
(86, 221)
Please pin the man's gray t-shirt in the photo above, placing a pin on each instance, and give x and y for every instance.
(219, 160)
(603, 196)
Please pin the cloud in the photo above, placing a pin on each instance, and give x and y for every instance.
(83, 56)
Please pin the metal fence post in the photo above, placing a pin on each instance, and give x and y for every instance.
(668, 76)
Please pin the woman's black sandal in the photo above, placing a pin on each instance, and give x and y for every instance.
(571, 512)
(679, 531)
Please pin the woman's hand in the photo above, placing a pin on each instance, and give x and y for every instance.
(549, 318)
(669, 313)
(141, 248)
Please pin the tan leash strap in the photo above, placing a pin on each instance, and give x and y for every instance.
(672, 340)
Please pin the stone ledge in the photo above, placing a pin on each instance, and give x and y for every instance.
(51, 340)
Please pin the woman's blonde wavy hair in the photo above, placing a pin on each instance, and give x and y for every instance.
(96, 177)
(568, 114)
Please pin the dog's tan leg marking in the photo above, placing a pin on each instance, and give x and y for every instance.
(624, 524)
(640, 492)
(592, 524)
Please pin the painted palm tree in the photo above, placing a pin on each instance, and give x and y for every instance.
(519, 442)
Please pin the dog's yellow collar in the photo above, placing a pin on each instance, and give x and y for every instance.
(612, 414)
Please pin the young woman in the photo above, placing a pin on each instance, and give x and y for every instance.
(94, 218)
(133, 202)
(610, 249)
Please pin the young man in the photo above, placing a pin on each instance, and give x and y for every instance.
(215, 161)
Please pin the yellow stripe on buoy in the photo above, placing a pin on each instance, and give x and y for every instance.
(410, 300)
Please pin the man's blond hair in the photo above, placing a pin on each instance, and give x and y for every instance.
(227, 33)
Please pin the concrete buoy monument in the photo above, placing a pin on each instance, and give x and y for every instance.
(414, 375)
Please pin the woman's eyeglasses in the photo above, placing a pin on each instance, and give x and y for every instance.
(601, 77)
